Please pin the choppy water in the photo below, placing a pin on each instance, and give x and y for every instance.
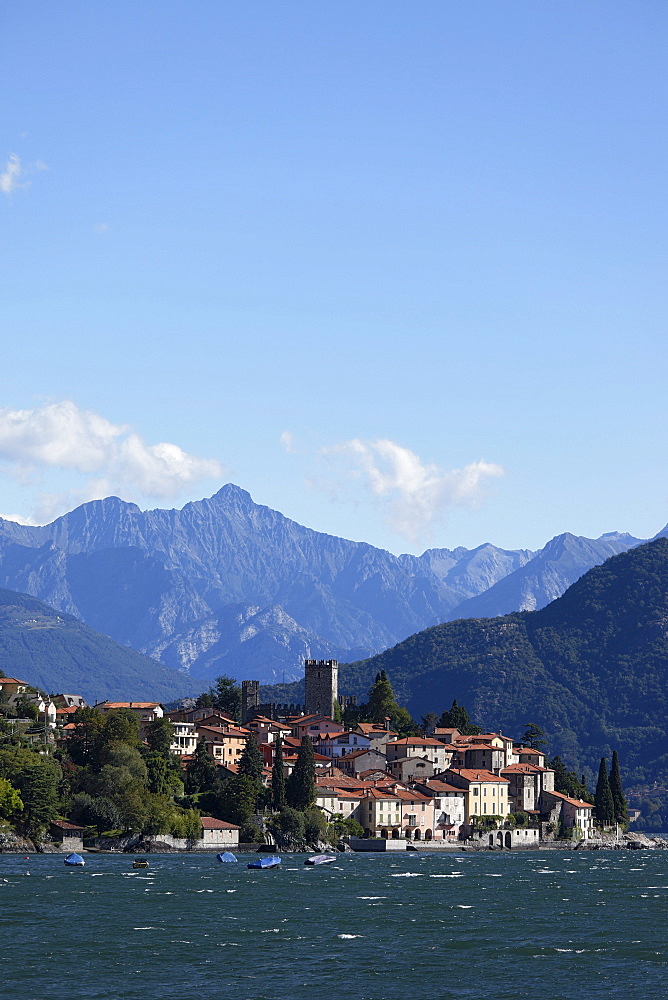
(550, 925)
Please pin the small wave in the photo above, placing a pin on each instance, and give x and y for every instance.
(407, 875)
(349, 937)
(464, 906)
(372, 897)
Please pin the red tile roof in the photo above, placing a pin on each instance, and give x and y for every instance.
(209, 823)
(417, 741)
(478, 774)
(574, 802)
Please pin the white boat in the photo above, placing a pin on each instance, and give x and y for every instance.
(320, 859)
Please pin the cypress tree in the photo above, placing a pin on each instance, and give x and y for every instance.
(618, 798)
(605, 806)
(278, 776)
(300, 787)
(381, 699)
(250, 762)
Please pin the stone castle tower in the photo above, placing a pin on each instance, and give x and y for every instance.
(250, 698)
(321, 683)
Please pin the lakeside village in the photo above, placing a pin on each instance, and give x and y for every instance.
(226, 770)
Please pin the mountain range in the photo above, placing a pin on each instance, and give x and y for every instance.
(226, 585)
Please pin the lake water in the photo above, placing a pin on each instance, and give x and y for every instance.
(463, 926)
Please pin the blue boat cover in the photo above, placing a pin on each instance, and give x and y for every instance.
(270, 862)
(226, 856)
(74, 859)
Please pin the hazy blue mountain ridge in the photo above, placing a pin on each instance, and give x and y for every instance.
(170, 582)
(59, 654)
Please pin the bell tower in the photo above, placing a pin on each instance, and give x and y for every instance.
(321, 684)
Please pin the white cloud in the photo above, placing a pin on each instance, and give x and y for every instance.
(9, 178)
(17, 518)
(12, 177)
(117, 460)
(287, 439)
(414, 494)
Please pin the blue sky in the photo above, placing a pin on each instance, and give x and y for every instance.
(396, 269)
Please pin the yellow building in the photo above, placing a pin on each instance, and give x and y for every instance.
(486, 792)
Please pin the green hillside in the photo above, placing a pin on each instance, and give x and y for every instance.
(591, 668)
(57, 653)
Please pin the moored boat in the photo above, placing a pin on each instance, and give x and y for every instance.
(74, 860)
(320, 859)
(140, 863)
(226, 856)
(270, 862)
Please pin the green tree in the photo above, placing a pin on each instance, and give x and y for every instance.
(567, 782)
(120, 726)
(236, 799)
(250, 761)
(159, 773)
(618, 797)
(315, 825)
(202, 771)
(456, 717)
(429, 720)
(288, 827)
(83, 743)
(300, 789)
(278, 776)
(383, 705)
(123, 778)
(381, 701)
(534, 737)
(160, 735)
(226, 696)
(98, 811)
(26, 709)
(40, 799)
(36, 779)
(604, 804)
(11, 802)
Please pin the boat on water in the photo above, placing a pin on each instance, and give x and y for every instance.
(320, 859)
(74, 860)
(140, 863)
(270, 862)
(226, 856)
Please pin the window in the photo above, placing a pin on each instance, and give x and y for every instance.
(412, 820)
(475, 791)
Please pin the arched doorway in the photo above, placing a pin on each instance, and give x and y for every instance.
(417, 835)
(395, 834)
(499, 837)
(367, 832)
(491, 840)
(428, 835)
(509, 841)
(384, 833)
